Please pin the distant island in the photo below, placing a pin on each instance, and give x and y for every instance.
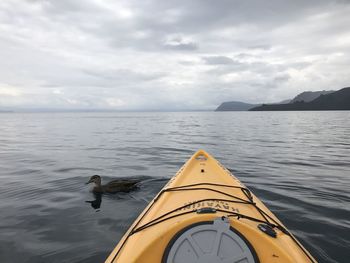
(307, 100)
(235, 106)
(308, 96)
(337, 100)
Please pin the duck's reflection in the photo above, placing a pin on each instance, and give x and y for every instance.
(96, 204)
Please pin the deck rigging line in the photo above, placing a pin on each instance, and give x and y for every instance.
(267, 219)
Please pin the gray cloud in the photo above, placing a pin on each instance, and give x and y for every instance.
(124, 75)
(176, 54)
(182, 46)
(282, 78)
(218, 60)
(179, 43)
(260, 46)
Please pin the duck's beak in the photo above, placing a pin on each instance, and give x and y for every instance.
(89, 182)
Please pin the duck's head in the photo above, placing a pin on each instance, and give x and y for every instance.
(95, 179)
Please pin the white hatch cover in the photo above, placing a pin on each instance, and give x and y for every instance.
(209, 242)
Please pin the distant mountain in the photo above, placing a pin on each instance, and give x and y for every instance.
(235, 106)
(308, 96)
(284, 101)
(338, 100)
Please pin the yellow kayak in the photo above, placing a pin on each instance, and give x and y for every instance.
(204, 214)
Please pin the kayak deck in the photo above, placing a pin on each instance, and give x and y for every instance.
(204, 191)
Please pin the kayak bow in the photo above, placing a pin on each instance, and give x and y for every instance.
(205, 214)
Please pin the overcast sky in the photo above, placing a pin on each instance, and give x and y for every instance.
(147, 55)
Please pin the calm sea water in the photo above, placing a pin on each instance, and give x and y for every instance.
(298, 163)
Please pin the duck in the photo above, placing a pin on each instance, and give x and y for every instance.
(115, 186)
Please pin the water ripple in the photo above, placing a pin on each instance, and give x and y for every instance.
(298, 169)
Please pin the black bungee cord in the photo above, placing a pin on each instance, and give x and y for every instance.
(135, 229)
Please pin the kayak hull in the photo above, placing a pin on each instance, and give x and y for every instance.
(204, 191)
